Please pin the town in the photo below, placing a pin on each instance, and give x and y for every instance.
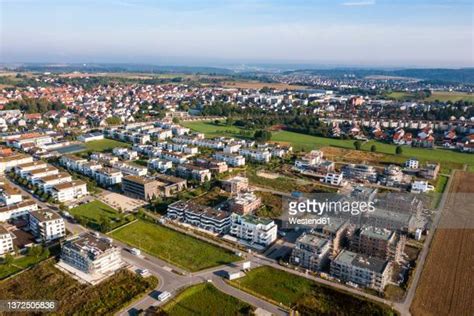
(177, 185)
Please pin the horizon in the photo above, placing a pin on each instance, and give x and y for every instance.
(362, 34)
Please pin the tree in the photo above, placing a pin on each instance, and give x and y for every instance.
(373, 148)
(175, 120)
(113, 120)
(262, 135)
(8, 260)
(35, 251)
(229, 121)
(399, 150)
(216, 122)
(357, 145)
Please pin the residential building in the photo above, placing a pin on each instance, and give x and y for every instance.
(9, 162)
(34, 176)
(23, 169)
(129, 169)
(46, 225)
(310, 160)
(254, 230)
(430, 171)
(412, 163)
(421, 187)
(6, 241)
(379, 242)
(256, 154)
(170, 185)
(17, 210)
(360, 172)
(69, 191)
(159, 164)
(231, 159)
(108, 177)
(9, 195)
(141, 187)
(47, 183)
(362, 270)
(333, 179)
(90, 137)
(91, 254)
(193, 172)
(311, 252)
(336, 231)
(213, 220)
(235, 184)
(244, 203)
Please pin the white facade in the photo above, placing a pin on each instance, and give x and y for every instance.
(253, 229)
(412, 163)
(6, 241)
(17, 210)
(333, 179)
(69, 191)
(46, 225)
(159, 164)
(421, 187)
(231, 159)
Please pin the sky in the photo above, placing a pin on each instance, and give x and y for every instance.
(391, 33)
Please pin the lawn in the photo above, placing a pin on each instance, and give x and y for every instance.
(179, 249)
(104, 145)
(309, 142)
(205, 299)
(99, 216)
(19, 264)
(305, 296)
(45, 282)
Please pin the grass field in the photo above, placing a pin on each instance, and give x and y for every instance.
(104, 145)
(305, 296)
(260, 85)
(442, 96)
(95, 213)
(205, 299)
(179, 249)
(45, 282)
(309, 142)
(19, 264)
(449, 263)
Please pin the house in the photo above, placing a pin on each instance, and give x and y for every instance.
(254, 230)
(421, 187)
(91, 255)
(244, 203)
(46, 225)
(362, 270)
(33, 176)
(6, 241)
(69, 191)
(311, 252)
(310, 160)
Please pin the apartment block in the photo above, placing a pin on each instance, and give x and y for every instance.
(236, 184)
(9, 162)
(311, 252)
(254, 230)
(9, 195)
(244, 203)
(140, 187)
(108, 177)
(379, 242)
(6, 241)
(46, 225)
(362, 270)
(91, 255)
(360, 172)
(47, 183)
(193, 172)
(69, 191)
(17, 210)
(233, 160)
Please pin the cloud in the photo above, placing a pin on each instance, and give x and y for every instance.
(359, 3)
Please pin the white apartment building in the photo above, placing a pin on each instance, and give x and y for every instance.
(34, 176)
(174, 157)
(311, 251)
(254, 230)
(311, 159)
(6, 241)
(159, 164)
(46, 225)
(108, 176)
(9, 195)
(17, 210)
(125, 153)
(69, 191)
(10, 162)
(72, 162)
(231, 159)
(412, 163)
(256, 154)
(129, 169)
(91, 255)
(232, 148)
(421, 187)
(46, 183)
(333, 179)
(23, 169)
(365, 271)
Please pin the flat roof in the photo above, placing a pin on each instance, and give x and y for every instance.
(45, 215)
(68, 185)
(361, 261)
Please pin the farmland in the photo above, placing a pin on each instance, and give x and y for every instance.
(260, 85)
(104, 145)
(304, 295)
(452, 159)
(449, 265)
(45, 282)
(99, 216)
(179, 249)
(442, 96)
(205, 299)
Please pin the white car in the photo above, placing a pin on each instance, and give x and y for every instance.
(135, 251)
(164, 296)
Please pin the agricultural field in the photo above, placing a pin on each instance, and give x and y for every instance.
(449, 262)
(259, 85)
(104, 145)
(179, 249)
(442, 96)
(99, 216)
(205, 299)
(45, 282)
(304, 295)
(448, 158)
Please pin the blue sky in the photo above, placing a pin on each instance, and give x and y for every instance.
(218, 32)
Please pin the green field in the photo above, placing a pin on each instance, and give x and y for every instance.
(212, 130)
(99, 216)
(45, 282)
(442, 96)
(309, 142)
(305, 296)
(179, 249)
(205, 299)
(19, 264)
(104, 145)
